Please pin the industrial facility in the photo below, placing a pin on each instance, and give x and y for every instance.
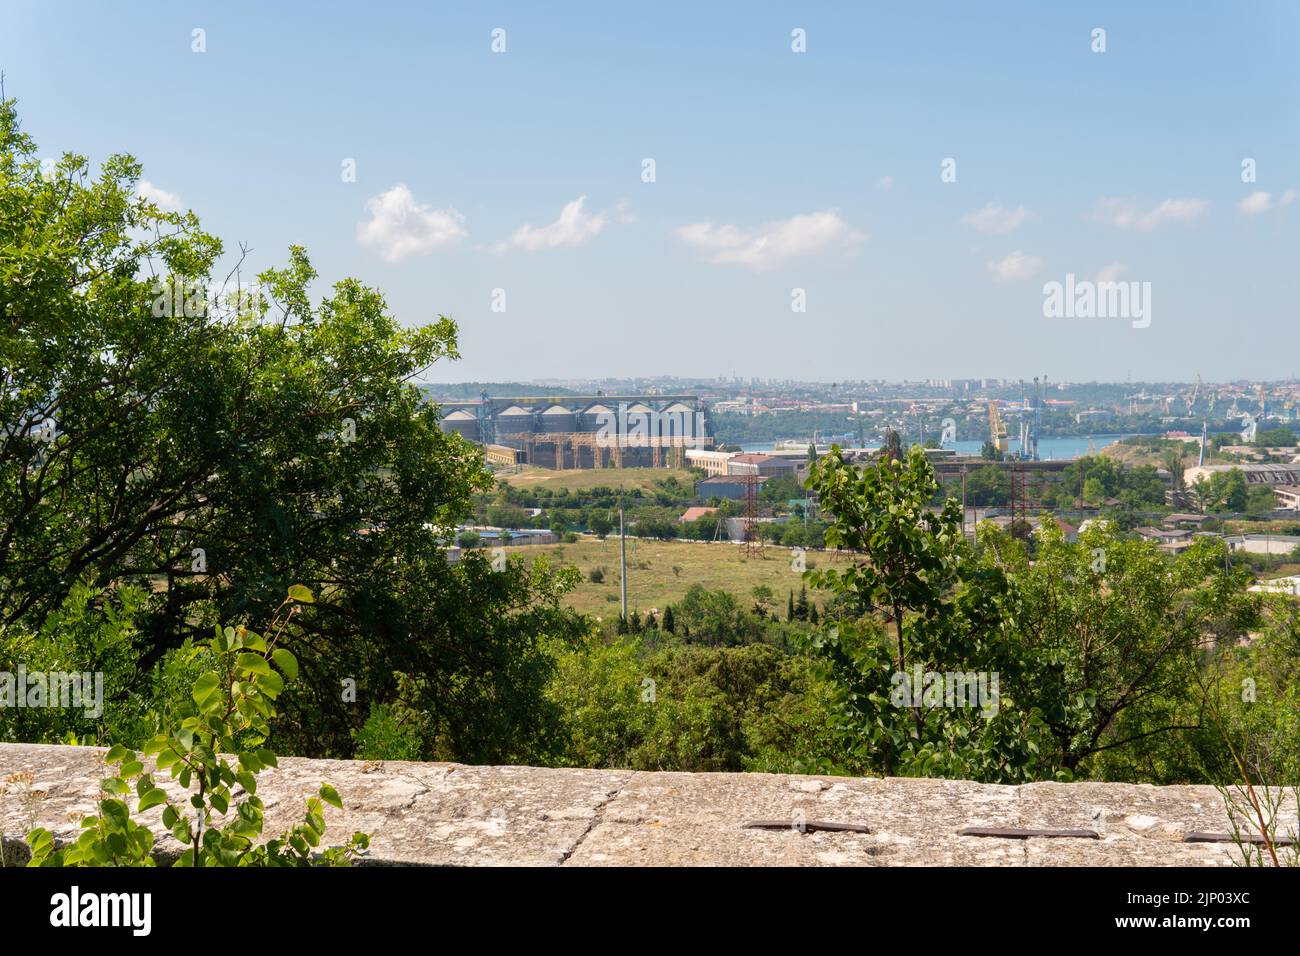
(583, 431)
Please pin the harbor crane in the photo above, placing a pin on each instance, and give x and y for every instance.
(997, 429)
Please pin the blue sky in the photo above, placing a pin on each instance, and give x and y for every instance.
(774, 171)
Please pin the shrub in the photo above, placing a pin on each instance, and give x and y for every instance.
(229, 713)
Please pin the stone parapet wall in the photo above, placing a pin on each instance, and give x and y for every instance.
(452, 814)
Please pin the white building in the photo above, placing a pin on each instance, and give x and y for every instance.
(713, 462)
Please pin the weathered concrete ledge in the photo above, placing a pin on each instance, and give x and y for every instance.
(456, 815)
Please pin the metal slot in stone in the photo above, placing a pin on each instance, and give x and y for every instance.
(1020, 833)
(1254, 838)
(807, 826)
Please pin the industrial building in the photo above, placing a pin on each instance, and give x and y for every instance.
(1254, 473)
(583, 431)
(730, 487)
(769, 466)
(711, 462)
(1277, 544)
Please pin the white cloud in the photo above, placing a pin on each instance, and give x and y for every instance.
(771, 244)
(1289, 197)
(168, 202)
(1110, 272)
(1126, 214)
(1256, 203)
(621, 210)
(573, 228)
(1018, 265)
(401, 227)
(996, 220)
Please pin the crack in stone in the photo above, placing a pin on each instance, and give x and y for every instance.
(597, 817)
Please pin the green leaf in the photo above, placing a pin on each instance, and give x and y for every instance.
(330, 796)
(167, 758)
(153, 798)
(207, 685)
(254, 642)
(286, 662)
(301, 594)
(115, 811)
(40, 839)
(252, 664)
(271, 684)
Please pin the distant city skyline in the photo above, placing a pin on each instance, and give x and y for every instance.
(914, 177)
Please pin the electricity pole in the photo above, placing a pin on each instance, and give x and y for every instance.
(622, 555)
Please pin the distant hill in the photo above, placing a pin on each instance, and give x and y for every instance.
(1150, 450)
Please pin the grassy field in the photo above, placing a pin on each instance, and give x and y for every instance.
(529, 476)
(660, 572)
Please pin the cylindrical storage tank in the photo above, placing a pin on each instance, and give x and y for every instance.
(597, 417)
(462, 423)
(677, 421)
(513, 421)
(557, 418)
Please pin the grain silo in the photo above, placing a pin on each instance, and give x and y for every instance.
(513, 421)
(461, 423)
(557, 418)
(595, 418)
(677, 421)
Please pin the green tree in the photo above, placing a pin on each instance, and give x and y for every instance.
(600, 524)
(715, 617)
(989, 485)
(1113, 632)
(1259, 500)
(913, 575)
(892, 447)
(211, 450)
(1174, 465)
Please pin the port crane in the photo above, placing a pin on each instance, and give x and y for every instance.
(1193, 394)
(997, 429)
